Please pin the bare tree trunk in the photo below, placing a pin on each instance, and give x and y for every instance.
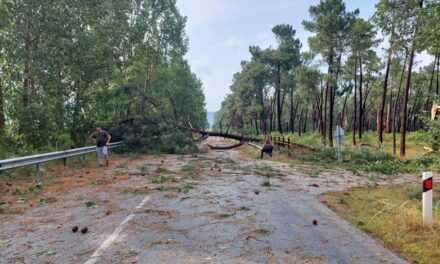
(279, 106)
(322, 113)
(305, 121)
(431, 82)
(384, 96)
(404, 122)
(438, 79)
(295, 113)
(331, 98)
(2, 109)
(263, 116)
(361, 110)
(257, 129)
(324, 129)
(388, 120)
(355, 104)
(344, 110)
(271, 115)
(292, 113)
(397, 105)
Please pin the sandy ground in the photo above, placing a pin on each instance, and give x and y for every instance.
(217, 207)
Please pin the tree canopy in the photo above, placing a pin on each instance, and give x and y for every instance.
(68, 66)
(344, 78)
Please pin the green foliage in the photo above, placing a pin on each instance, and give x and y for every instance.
(163, 178)
(432, 134)
(81, 64)
(360, 160)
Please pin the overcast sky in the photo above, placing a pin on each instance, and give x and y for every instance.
(220, 32)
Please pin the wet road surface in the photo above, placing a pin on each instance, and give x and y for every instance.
(222, 209)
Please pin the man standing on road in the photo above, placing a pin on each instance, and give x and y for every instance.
(102, 138)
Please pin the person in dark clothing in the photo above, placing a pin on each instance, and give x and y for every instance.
(103, 139)
(267, 148)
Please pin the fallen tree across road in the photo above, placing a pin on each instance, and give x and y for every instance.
(225, 135)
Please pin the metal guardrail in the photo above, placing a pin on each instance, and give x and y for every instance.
(42, 158)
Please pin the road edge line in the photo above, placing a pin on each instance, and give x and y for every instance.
(115, 235)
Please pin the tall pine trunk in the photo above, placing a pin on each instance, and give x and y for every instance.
(331, 110)
(291, 118)
(388, 118)
(431, 81)
(397, 104)
(404, 113)
(321, 112)
(305, 121)
(361, 110)
(324, 128)
(384, 96)
(404, 121)
(279, 106)
(355, 104)
(2, 109)
(263, 117)
(438, 78)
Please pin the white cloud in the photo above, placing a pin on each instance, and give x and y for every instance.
(201, 12)
(423, 59)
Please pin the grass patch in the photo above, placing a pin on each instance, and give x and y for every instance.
(262, 170)
(163, 179)
(416, 141)
(194, 167)
(184, 189)
(159, 169)
(392, 214)
(357, 160)
(366, 156)
(91, 204)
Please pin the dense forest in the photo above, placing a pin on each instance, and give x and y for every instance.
(67, 66)
(358, 73)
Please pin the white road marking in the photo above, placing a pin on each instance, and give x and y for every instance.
(115, 235)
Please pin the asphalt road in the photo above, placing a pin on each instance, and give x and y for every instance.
(218, 208)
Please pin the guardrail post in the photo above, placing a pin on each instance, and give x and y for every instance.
(39, 175)
(427, 199)
(288, 142)
(65, 162)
